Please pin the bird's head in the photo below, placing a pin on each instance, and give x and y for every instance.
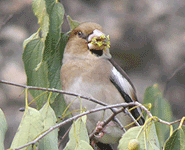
(87, 41)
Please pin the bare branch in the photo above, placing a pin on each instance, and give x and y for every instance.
(5, 21)
(64, 136)
(64, 92)
(74, 118)
(130, 115)
(169, 78)
(105, 106)
(92, 111)
(112, 117)
(54, 90)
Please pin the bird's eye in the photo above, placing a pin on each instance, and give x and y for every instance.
(80, 34)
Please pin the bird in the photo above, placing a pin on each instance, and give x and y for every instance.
(88, 69)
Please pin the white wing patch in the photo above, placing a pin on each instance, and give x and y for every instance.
(124, 85)
(123, 82)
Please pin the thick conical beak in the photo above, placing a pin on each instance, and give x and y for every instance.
(98, 44)
(97, 40)
(96, 33)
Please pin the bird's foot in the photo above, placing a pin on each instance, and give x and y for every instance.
(100, 130)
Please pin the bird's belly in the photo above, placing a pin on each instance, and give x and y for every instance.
(99, 93)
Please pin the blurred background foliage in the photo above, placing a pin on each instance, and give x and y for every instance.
(147, 40)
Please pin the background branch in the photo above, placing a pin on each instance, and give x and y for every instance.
(170, 78)
(68, 93)
(6, 19)
(104, 107)
(92, 111)
(74, 118)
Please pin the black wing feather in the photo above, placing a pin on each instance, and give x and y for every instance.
(135, 112)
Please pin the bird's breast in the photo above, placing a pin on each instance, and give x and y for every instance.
(90, 79)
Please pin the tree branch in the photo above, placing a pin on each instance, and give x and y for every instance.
(53, 90)
(5, 21)
(68, 93)
(74, 118)
(105, 106)
(169, 78)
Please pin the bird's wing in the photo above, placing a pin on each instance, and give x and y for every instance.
(124, 85)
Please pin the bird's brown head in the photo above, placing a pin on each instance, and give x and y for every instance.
(87, 41)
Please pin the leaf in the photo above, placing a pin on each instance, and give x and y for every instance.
(52, 52)
(30, 127)
(145, 135)
(160, 108)
(32, 37)
(63, 42)
(43, 56)
(72, 23)
(33, 51)
(58, 105)
(54, 36)
(50, 141)
(77, 134)
(129, 135)
(176, 141)
(3, 129)
(83, 145)
(56, 19)
(36, 69)
(40, 10)
(150, 136)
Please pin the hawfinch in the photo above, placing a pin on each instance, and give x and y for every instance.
(88, 70)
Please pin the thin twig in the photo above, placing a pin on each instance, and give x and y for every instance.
(63, 92)
(105, 106)
(92, 111)
(112, 117)
(5, 21)
(168, 123)
(64, 136)
(54, 90)
(74, 118)
(130, 115)
(173, 74)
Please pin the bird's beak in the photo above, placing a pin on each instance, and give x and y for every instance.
(97, 40)
(96, 33)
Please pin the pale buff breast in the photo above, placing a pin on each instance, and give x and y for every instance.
(91, 78)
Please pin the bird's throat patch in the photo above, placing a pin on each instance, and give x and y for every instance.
(97, 52)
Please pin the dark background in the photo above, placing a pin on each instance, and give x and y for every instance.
(147, 40)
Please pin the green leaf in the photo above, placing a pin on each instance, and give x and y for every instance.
(52, 53)
(77, 134)
(150, 136)
(72, 23)
(36, 69)
(32, 55)
(83, 145)
(3, 129)
(58, 105)
(63, 42)
(32, 37)
(160, 108)
(54, 36)
(50, 141)
(30, 127)
(176, 141)
(56, 19)
(129, 135)
(40, 10)
(42, 57)
(145, 135)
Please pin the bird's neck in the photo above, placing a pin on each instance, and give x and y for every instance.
(69, 57)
